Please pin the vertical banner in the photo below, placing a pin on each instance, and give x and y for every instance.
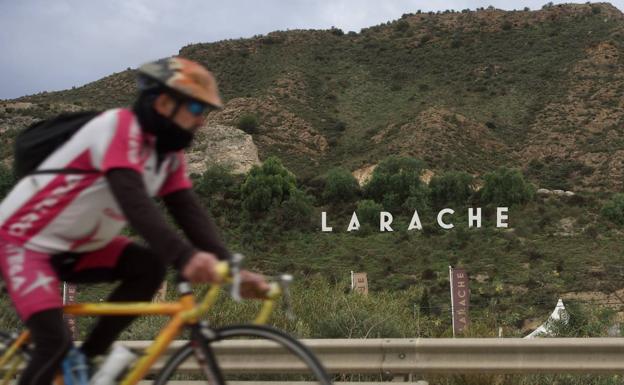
(69, 297)
(460, 299)
(359, 283)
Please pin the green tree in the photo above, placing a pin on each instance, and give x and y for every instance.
(340, 186)
(613, 209)
(396, 184)
(267, 186)
(218, 188)
(506, 187)
(368, 211)
(295, 212)
(451, 187)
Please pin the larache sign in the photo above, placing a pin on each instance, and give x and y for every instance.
(385, 220)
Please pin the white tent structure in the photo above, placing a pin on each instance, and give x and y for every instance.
(559, 314)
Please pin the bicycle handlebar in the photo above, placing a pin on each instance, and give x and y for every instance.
(229, 273)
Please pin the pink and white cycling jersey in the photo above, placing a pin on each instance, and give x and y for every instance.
(53, 213)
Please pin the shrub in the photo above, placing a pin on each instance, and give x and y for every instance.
(266, 186)
(368, 211)
(340, 186)
(218, 187)
(296, 211)
(248, 123)
(506, 187)
(555, 173)
(424, 304)
(396, 184)
(401, 26)
(337, 31)
(7, 180)
(451, 187)
(340, 126)
(613, 209)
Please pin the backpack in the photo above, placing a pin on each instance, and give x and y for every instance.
(36, 142)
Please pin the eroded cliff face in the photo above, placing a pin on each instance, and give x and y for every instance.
(223, 145)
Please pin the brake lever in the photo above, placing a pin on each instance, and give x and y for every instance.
(235, 264)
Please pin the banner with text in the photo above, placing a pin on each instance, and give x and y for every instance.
(460, 299)
(69, 297)
(359, 283)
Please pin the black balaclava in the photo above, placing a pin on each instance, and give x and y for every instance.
(170, 137)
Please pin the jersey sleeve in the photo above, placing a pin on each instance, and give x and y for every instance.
(177, 178)
(124, 149)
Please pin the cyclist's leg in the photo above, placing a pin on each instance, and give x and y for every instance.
(141, 273)
(52, 341)
(33, 287)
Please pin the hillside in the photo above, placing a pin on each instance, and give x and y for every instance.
(472, 90)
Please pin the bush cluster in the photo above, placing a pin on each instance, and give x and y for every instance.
(506, 187)
(396, 184)
(340, 186)
(613, 209)
(451, 188)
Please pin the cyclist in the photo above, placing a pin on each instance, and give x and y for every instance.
(65, 226)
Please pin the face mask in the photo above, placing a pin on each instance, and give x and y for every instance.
(173, 138)
(170, 137)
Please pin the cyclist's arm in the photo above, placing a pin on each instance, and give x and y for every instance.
(188, 212)
(145, 218)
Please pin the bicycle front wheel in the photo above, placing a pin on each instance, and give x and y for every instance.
(10, 364)
(186, 365)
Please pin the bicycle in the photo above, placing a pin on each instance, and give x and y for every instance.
(185, 313)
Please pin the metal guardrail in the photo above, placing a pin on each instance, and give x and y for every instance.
(435, 355)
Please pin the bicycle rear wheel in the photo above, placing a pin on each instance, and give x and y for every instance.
(186, 366)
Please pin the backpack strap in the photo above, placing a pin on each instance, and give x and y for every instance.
(63, 171)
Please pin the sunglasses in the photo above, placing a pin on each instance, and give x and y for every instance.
(196, 108)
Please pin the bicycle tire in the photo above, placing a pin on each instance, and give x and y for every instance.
(7, 339)
(295, 347)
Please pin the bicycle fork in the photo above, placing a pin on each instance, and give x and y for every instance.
(201, 336)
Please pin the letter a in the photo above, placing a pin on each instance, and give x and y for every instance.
(415, 223)
(355, 223)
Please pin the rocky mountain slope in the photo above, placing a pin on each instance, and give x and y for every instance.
(470, 90)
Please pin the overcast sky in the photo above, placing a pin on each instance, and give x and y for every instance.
(50, 45)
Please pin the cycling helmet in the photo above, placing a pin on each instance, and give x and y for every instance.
(186, 77)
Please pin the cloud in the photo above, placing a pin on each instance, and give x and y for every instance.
(52, 45)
